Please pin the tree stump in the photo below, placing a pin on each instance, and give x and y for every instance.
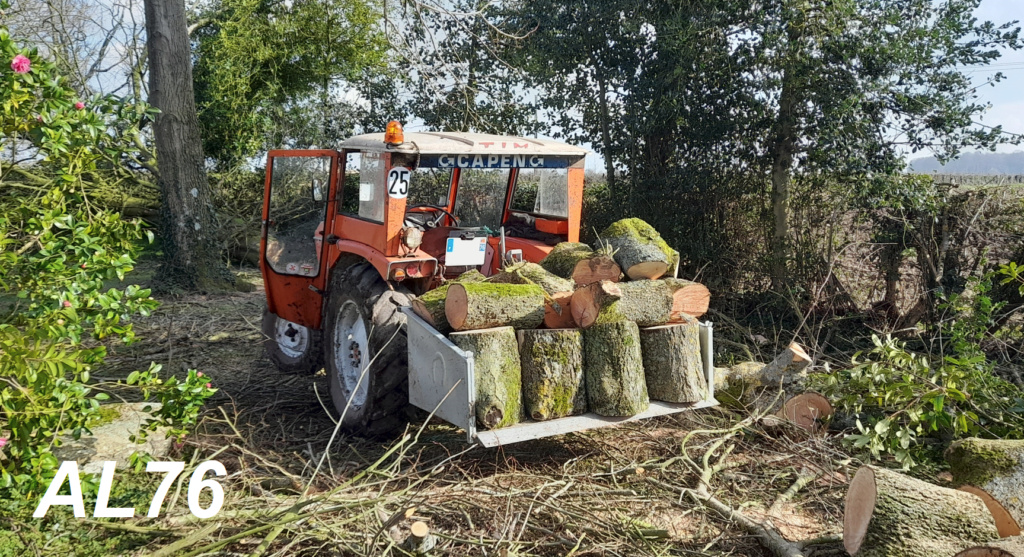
(552, 363)
(562, 259)
(614, 369)
(889, 514)
(557, 311)
(993, 466)
(806, 410)
(1006, 547)
(673, 366)
(532, 273)
(430, 306)
(498, 374)
(483, 305)
(639, 249)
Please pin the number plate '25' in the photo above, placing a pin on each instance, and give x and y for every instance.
(398, 182)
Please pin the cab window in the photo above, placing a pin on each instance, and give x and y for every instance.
(542, 192)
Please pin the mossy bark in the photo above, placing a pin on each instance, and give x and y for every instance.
(552, 363)
(994, 465)
(673, 365)
(614, 370)
(486, 305)
(497, 372)
(648, 302)
(532, 273)
(1006, 547)
(639, 249)
(563, 258)
(430, 306)
(908, 517)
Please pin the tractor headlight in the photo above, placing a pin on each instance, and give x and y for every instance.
(412, 237)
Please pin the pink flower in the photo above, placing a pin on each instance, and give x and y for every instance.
(209, 385)
(67, 304)
(20, 64)
(79, 105)
(199, 374)
(3, 441)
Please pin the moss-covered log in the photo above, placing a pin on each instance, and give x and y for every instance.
(532, 273)
(483, 305)
(594, 302)
(1006, 547)
(648, 302)
(430, 306)
(745, 381)
(689, 299)
(614, 370)
(673, 365)
(498, 374)
(639, 249)
(557, 311)
(596, 268)
(993, 465)
(552, 363)
(564, 256)
(889, 514)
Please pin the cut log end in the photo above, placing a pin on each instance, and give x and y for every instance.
(587, 302)
(419, 529)
(1005, 523)
(647, 270)
(806, 410)
(860, 505)
(595, 269)
(456, 306)
(559, 317)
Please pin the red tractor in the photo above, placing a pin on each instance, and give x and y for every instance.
(350, 235)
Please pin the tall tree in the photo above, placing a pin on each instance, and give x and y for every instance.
(192, 250)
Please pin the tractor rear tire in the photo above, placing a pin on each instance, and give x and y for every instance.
(364, 327)
(290, 346)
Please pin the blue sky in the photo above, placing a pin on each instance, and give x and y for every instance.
(1007, 97)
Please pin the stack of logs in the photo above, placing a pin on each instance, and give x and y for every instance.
(890, 514)
(570, 335)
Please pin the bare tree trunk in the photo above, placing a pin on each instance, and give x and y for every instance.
(606, 137)
(782, 163)
(192, 251)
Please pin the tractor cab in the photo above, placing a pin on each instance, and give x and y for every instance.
(418, 206)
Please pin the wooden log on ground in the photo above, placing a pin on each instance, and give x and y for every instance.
(596, 268)
(806, 410)
(638, 249)
(1006, 547)
(498, 373)
(430, 306)
(482, 305)
(590, 302)
(614, 370)
(557, 311)
(673, 366)
(562, 259)
(889, 514)
(994, 466)
(785, 370)
(532, 273)
(552, 364)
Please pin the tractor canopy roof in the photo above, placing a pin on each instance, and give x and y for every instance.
(462, 143)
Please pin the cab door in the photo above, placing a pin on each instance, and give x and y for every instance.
(299, 194)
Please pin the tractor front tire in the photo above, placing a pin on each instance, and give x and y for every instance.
(365, 351)
(290, 346)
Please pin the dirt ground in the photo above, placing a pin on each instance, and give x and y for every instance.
(627, 490)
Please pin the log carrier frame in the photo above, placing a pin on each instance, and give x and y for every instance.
(442, 381)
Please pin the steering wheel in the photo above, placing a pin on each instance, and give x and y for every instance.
(433, 223)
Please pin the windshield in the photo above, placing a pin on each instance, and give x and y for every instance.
(481, 197)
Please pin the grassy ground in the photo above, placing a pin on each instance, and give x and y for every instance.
(630, 490)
